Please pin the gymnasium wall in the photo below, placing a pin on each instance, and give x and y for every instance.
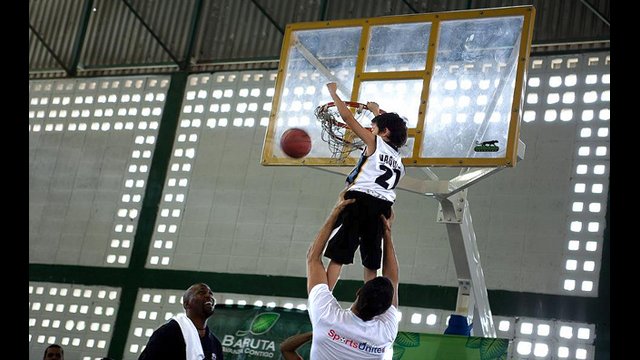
(140, 186)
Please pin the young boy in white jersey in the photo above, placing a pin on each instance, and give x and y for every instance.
(371, 182)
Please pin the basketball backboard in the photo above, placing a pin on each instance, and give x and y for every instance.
(457, 77)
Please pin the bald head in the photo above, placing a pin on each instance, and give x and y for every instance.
(192, 291)
(53, 352)
(198, 301)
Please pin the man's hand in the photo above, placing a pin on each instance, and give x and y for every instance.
(386, 223)
(342, 202)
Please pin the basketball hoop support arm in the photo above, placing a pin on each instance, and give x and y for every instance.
(469, 176)
(454, 212)
(473, 298)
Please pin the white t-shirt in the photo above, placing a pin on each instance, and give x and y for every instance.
(340, 334)
(377, 174)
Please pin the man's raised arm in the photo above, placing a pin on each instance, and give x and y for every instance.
(316, 273)
(389, 259)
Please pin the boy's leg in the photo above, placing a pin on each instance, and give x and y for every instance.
(333, 273)
(344, 238)
(371, 243)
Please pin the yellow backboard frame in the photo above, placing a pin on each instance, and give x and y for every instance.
(269, 154)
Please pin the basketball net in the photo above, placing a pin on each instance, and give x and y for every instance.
(336, 133)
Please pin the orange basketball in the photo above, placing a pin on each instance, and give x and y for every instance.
(296, 143)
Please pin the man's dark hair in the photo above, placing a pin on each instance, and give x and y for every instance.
(397, 127)
(374, 298)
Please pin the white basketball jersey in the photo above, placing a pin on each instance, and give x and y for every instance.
(378, 174)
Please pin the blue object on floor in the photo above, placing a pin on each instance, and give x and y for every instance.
(458, 326)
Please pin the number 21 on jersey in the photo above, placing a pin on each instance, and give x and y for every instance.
(384, 179)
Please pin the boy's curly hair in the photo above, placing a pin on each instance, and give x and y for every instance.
(397, 128)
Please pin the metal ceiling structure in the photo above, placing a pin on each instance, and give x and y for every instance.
(75, 38)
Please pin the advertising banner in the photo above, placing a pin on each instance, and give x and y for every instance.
(248, 333)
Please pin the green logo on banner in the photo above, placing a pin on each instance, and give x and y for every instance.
(260, 324)
(252, 340)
